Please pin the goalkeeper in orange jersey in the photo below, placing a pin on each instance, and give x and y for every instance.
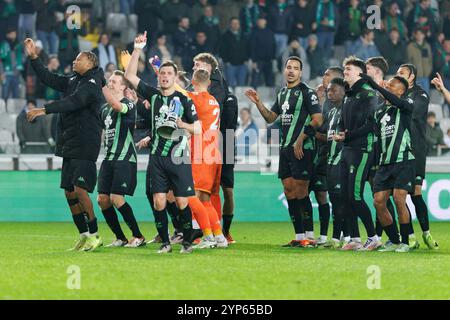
(206, 161)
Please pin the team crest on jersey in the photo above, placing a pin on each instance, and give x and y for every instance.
(108, 121)
(297, 93)
(386, 118)
(285, 106)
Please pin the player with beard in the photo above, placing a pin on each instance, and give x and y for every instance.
(300, 113)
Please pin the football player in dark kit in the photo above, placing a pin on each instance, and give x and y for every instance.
(395, 175)
(78, 137)
(117, 176)
(418, 128)
(357, 134)
(300, 113)
(167, 168)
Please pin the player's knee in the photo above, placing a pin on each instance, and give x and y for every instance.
(399, 199)
(117, 200)
(70, 194)
(321, 198)
(159, 202)
(103, 201)
(379, 202)
(181, 203)
(81, 193)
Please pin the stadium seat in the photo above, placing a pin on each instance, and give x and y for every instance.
(267, 93)
(116, 22)
(259, 121)
(84, 44)
(436, 97)
(239, 92)
(133, 21)
(437, 109)
(6, 140)
(14, 106)
(2, 106)
(8, 122)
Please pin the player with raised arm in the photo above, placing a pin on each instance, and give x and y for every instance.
(117, 176)
(78, 135)
(167, 169)
(300, 113)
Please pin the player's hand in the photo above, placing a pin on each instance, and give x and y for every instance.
(146, 104)
(33, 114)
(339, 137)
(144, 143)
(298, 148)
(131, 95)
(125, 58)
(438, 83)
(253, 96)
(140, 41)
(180, 123)
(30, 48)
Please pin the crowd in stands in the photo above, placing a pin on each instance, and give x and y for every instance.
(251, 38)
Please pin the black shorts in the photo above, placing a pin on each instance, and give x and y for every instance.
(395, 176)
(80, 173)
(227, 176)
(420, 166)
(163, 175)
(291, 167)
(318, 183)
(333, 179)
(117, 177)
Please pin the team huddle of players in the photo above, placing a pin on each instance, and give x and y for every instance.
(356, 128)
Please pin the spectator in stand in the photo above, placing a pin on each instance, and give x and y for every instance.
(46, 25)
(419, 53)
(197, 10)
(12, 64)
(279, 18)
(148, 12)
(434, 135)
(171, 11)
(53, 65)
(200, 44)
(394, 51)
(183, 40)
(295, 50)
(8, 17)
(234, 52)
(161, 49)
(303, 17)
(109, 70)
(262, 53)
(209, 24)
(248, 16)
(443, 62)
(422, 16)
(27, 19)
(127, 6)
(327, 21)
(105, 51)
(35, 131)
(394, 20)
(354, 27)
(365, 48)
(246, 134)
(316, 57)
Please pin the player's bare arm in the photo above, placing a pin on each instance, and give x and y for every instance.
(194, 128)
(131, 71)
(267, 114)
(439, 84)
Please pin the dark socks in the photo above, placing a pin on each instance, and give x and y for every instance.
(324, 217)
(162, 225)
(173, 212)
(80, 222)
(307, 213)
(130, 220)
(227, 223)
(404, 232)
(411, 228)
(392, 234)
(92, 226)
(421, 212)
(186, 224)
(363, 211)
(113, 223)
(378, 227)
(296, 216)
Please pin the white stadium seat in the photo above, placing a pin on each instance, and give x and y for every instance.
(437, 109)
(116, 22)
(8, 122)
(2, 106)
(14, 106)
(436, 97)
(445, 125)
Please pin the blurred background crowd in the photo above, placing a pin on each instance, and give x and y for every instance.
(250, 38)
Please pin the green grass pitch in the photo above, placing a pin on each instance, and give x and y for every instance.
(34, 264)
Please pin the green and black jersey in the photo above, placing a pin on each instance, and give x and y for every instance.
(334, 147)
(119, 130)
(296, 106)
(393, 124)
(157, 115)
